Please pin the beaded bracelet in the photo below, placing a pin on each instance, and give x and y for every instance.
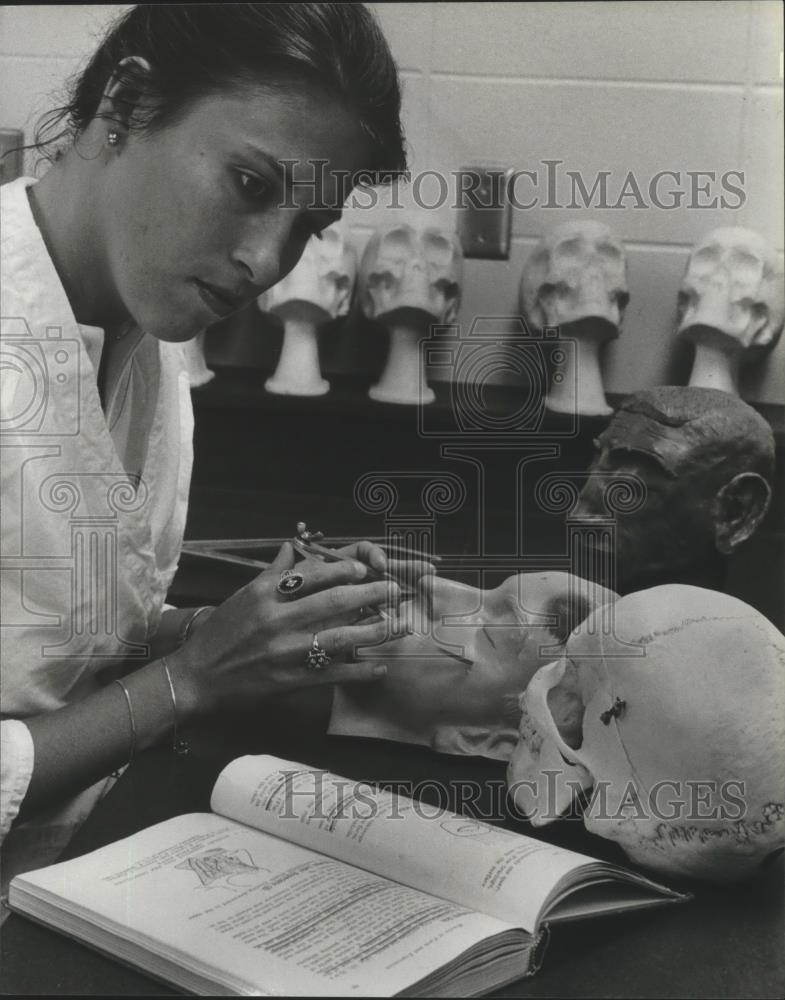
(180, 745)
(185, 629)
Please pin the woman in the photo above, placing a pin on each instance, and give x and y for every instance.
(206, 145)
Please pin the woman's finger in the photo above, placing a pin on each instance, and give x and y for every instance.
(314, 575)
(342, 602)
(284, 559)
(409, 571)
(345, 643)
(347, 673)
(367, 552)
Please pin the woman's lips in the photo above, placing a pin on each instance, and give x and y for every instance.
(218, 300)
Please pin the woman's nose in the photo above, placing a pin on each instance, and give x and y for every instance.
(443, 599)
(265, 253)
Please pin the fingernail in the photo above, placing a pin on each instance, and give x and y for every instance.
(380, 670)
(360, 569)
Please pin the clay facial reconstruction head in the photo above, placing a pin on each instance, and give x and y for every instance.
(455, 686)
(412, 270)
(320, 287)
(732, 291)
(706, 460)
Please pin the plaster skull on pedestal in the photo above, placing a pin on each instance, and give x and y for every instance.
(731, 304)
(410, 277)
(680, 736)
(318, 289)
(576, 280)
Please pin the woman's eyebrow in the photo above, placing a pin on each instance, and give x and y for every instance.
(279, 166)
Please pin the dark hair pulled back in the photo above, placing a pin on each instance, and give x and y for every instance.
(199, 49)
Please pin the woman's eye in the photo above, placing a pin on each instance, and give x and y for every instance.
(252, 186)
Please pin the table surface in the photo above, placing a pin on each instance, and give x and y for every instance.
(726, 942)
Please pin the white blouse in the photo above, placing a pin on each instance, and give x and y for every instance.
(94, 508)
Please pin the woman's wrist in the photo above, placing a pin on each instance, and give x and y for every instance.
(192, 622)
(185, 682)
(177, 626)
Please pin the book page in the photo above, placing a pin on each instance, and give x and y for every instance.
(257, 913)
(503, 874)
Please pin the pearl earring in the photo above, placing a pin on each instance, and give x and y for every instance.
(113, 138)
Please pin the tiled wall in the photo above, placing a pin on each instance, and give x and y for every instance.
(602, 86)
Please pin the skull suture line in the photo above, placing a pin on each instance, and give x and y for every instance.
(731, 304)
(683, 746)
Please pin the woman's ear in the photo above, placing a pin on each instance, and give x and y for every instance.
(124, 91)
(739, 507)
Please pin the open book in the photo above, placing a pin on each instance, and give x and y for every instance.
(303, 883)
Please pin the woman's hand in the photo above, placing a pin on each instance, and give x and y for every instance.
(256, 643)
(407, 571)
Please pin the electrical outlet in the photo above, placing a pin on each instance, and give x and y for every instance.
(485, 212)
(10, 155)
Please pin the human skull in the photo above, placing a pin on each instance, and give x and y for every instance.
(322, 282)
(682, 744)
(733, 286)
(578, 272)
(412, 267)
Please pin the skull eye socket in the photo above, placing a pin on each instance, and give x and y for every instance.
(381, 280)
(685, 300)
(449, 289)
(549, 290)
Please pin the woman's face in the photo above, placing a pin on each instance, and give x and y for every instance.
(198, 219)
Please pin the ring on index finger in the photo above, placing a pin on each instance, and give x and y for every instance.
(290, 582)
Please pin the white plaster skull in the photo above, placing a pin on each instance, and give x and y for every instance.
(578, 272)
(684, 746)
(318, 289)
(412, 267)
(733, 285)
(322, 280)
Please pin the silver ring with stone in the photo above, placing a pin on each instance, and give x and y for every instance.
(290, 582)
(317, 659)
